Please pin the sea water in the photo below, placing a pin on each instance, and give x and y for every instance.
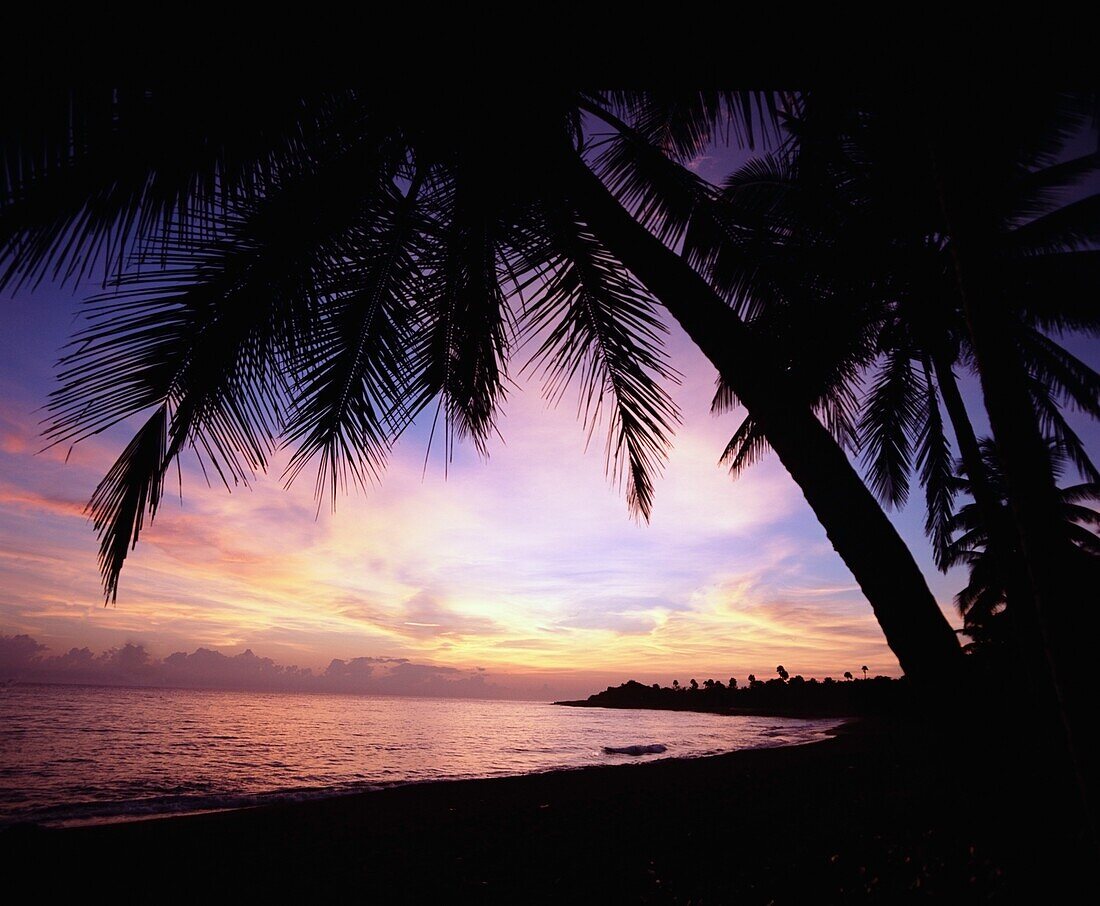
(89, 754)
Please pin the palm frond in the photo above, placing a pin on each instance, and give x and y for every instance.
(891, 411)
(1053, 424)
(725, 398)
(1086, 540)
(1077, 513)
(467, 329)
(837, 407)
(936, 473)
(659, 192)
(207, 336)
(1078, 493)
(682, 123)
(1042, 190)
(131, 487)
(1056, 291)
(89, 173)
(599, 330)
(353, 396)
(740, 238)
(1071, 227)
(746, 448)
(1067, 377)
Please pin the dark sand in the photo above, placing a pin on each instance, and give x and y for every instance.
(873, 814)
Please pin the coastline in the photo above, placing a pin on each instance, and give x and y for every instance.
(794, 713)
(864, 811)
(292, 797)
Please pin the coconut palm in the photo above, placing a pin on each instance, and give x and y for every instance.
(318, 270)
(930, 233)
(822, 246)
(984, 601)
(985, 176)
(842, 236)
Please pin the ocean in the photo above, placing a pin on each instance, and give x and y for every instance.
(91, 754)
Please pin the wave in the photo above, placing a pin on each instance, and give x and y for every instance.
(105, 812)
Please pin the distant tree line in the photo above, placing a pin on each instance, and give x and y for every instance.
(781, 694)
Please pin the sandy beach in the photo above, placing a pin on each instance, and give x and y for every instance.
(868, 815)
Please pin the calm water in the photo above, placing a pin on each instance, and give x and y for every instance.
(75, 754)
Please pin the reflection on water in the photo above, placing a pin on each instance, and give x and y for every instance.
(76, 753)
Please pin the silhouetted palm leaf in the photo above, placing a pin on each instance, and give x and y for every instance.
(131, 488)
(840, 215)
(1056, 291)
(316, 271)
(893, 407)
(354, 394)
(985, 596)
(933, 458)
(89, 172)
(599, 329)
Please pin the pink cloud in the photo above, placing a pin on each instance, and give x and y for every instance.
(27, 500)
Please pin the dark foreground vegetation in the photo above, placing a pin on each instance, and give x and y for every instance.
(315, 270)
(783, 695)
(877, 814)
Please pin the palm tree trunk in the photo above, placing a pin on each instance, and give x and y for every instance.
(1033, 493)
(1055, 574)
(969, 450)
(859, 530)
(1002, 539)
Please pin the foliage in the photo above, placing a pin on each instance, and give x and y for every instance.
(982, 603)
(312, 271)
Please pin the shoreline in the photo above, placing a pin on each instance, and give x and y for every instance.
(871, 812)
(293, 797)
(790, 713)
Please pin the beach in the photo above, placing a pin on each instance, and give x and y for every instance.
(869, 815)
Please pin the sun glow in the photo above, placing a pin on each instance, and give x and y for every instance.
(526, 565)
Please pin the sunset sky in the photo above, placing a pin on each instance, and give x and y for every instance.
(526, 565)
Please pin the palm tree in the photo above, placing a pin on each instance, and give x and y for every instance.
(318, 270)
(985, 602)
(844, 236)
(978, 250)
(942, 229)
(815, 242)
(864, 669)
(990, 179)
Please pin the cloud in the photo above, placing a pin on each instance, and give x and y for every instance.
(23, 658)
(619, 623)
(427, 615)
(18, 653)
(622, 614)
(528, 562)
(27, 500)
(205, 667)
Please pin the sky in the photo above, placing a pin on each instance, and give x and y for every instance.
(518, 576)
